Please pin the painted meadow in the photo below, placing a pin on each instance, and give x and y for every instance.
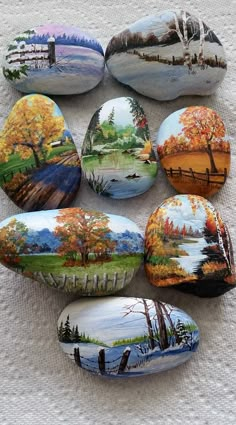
(188, 245)
(75, 250)
(194, 150)
(39, 164)
(117, 156)
(126, 336)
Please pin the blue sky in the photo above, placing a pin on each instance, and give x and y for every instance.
(122, 115)
(156, 24)
(46, 219)
(170, 126)
(103, 318)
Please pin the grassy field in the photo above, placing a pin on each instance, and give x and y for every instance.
(54, 264)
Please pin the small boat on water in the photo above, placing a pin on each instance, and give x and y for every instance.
(133, 176)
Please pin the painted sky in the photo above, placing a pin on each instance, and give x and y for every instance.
(104, 318)
(60, 29)
(170, 126)
(181, 215)
(46, 220)
(122, 116)
(157, 25)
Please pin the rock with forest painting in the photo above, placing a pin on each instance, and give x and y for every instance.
(167, 55)
(74, 250)
(188, 246)
(54, 59)
(118, 160)
(126, 337)
(194, 150)
(39, 165)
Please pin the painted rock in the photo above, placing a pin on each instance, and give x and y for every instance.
(74, 250)
(118, 160)
(39, 164)
(188, 246)
(168, 55)
(126, 337)
(194, 150)
(54, 59)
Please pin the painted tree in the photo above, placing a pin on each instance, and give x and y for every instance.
(12, 242)
(111, 116)
(67, 330)
(81, 232)
(139, 118)
(91, 133)
(145, 308)
(202, 125)
(60, 332)
(162, 329)
(30, 128)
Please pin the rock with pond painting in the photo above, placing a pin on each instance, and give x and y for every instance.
(39, 164)
(74, 250)
(118, 160)
(54, 59)
(194, 150)
(167, 55)
(126, 337)
(188, 246)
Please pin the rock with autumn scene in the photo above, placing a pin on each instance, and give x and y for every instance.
(74, 250)
(39, 165)
(194, 150)
(118, 160)
(54, 59)
(167, 55)
(188, 246)
(121, 337)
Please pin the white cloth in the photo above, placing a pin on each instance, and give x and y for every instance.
(38, 384)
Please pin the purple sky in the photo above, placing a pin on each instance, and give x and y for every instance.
(59, 29)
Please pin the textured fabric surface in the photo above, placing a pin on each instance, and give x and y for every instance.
(38, 384)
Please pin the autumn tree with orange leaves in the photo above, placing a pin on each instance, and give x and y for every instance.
(81, 233)
(30, 128)
(12, 242)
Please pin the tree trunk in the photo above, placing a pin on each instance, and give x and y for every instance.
(212, 162)
(149, 325)
(162, 326)
(177, 338)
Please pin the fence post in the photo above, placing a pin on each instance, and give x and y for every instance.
(225, 174)
(95, 282)
(77, 356)
(114, 280)
(191, 170)
(171, 171)
(105, 280)
(101, 361)
(85, 281)
(124, 360)
(208, 175)
(180, 171)
(124, 278)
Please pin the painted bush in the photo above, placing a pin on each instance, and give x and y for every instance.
(74, 250)
(188, 246)
(54, 59)
(126, 337)
(194, 150)
(118, 160)
(167, 55)
(39, 164)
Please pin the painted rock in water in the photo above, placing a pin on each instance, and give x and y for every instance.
(126, 337)
(74, 250)
(194, 150)
(168, 55)
(39, 164)
(54, 59)
(118, 160)
(188, 246)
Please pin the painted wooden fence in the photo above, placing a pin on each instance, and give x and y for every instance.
(204, 176)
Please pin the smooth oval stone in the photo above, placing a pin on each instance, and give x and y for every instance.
(39, 165)
(125, 337)
(118, 160)
(188, 246)
(54, 59)
(194, 150)
(167, 55)
(74, 250)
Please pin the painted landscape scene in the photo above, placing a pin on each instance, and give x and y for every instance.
(188, 245)
(39, 164)
(126, 337)
(54, 59)
(74, 250)
(194, 150)
(117, 155)
(168, 55)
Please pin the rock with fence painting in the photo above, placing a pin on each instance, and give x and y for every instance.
(122, 337)
(167, 55)
(118, 159)
(73, 250)
(194, 150)
(54, 59)
(188, 246)
(39, 164)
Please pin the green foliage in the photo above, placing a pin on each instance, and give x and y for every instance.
(15, 74)
(87, 339)
(134, 340)
(98, 184)
(159, 260)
